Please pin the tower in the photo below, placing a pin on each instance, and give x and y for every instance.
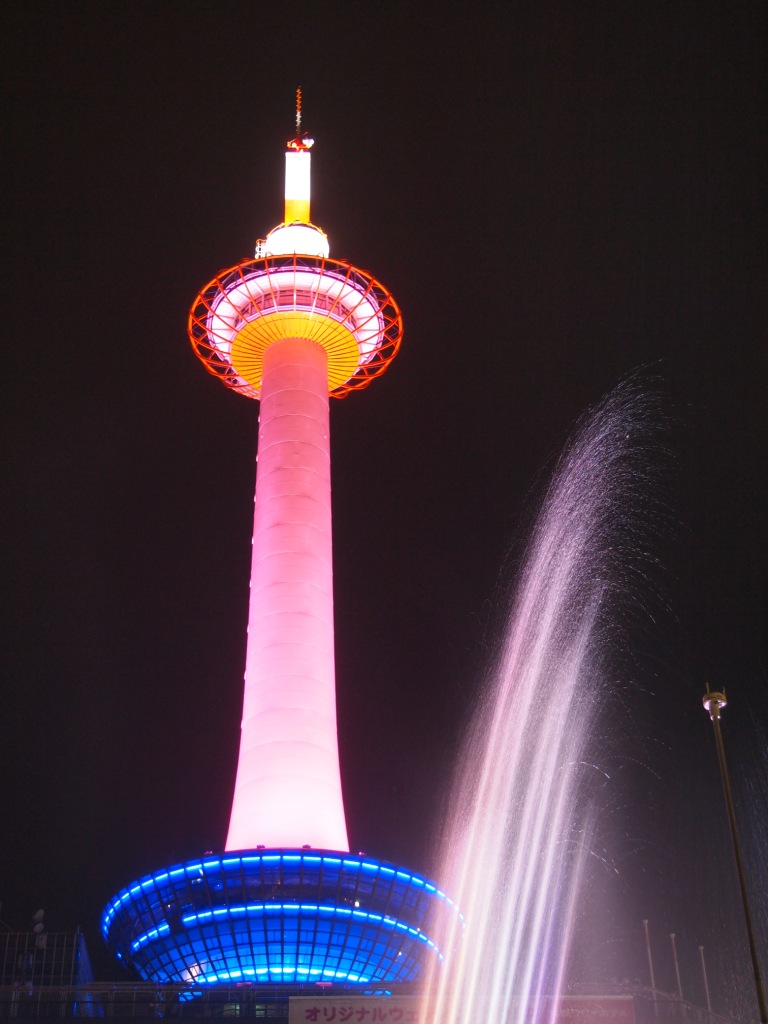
(286, 901)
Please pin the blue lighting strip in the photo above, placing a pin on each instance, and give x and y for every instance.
(196, 868)
(253, 909)
(272, 973)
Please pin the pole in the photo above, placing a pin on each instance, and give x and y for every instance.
(650, 966)
(714, 703)
(677, 965)
(706, 982)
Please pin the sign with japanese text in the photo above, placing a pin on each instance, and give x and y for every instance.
(353, 1010)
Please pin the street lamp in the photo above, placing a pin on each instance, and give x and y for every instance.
(714, 703)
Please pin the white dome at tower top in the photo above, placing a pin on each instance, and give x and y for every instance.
(303, 239)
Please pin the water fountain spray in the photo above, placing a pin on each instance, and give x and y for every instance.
(522, 822)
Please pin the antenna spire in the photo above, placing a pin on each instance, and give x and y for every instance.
(301, 140)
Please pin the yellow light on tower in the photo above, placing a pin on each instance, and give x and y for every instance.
(297, 164)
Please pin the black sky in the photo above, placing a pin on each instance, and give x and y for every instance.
(556, 194)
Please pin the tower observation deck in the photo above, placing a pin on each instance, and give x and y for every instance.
(286, 901)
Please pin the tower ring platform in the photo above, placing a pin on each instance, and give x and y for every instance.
(257, 302)
(284, 916)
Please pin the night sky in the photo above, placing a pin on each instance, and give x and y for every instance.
(558, 196)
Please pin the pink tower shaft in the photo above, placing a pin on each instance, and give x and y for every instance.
(288, 787)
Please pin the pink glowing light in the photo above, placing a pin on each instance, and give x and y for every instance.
(288, 788)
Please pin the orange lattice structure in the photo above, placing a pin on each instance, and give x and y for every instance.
(248, 307)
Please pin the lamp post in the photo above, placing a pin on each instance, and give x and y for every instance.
(677, 965)
(650, 966)
(714, 702)
(706, 980)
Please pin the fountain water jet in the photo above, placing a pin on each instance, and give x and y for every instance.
(521, 821)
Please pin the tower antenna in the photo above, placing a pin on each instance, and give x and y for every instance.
(301, 140)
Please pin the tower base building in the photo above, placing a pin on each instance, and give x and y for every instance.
(278, 916)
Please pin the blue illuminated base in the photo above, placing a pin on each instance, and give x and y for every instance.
(285, 916)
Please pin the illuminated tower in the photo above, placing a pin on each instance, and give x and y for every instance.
(286, 902)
